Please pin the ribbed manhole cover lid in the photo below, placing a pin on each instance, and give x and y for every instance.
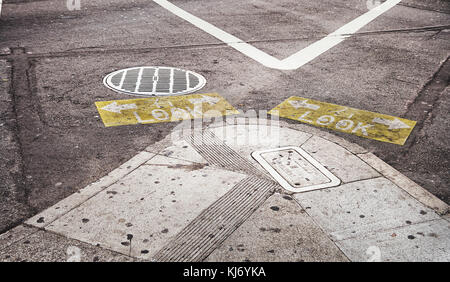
(154, 81)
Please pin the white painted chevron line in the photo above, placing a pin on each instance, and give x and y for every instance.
(296, 60)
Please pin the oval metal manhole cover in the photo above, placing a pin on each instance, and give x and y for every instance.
(154, 81)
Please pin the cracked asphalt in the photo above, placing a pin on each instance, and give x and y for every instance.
(52, 61)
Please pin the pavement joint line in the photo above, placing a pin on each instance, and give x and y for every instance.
(170, 157)
(405, 30)
(21, 237)
(423, 8)
(406, 184)
(386, 229)
(119, 50)
(362, 179)
(38, 229)
(88, 50)
(423, 96)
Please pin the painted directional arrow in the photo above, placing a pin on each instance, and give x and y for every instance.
(115, 108)
(393, 124)
(205, 99)
(303, 104)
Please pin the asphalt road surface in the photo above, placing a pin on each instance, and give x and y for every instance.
(53, 60)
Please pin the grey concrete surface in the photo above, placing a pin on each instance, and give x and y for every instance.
(338, 160)
(43, 246)
(423, 242)
(60, 56)
(278, 232)
(363, 206)
(169, 207)
(153, 204)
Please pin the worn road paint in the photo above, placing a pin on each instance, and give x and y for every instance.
(163, 109)
(362, 123)
(296, 60)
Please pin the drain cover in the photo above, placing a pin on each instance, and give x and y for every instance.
(154, 81)
(295, 170)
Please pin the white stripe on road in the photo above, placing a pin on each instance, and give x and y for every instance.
(296, 60)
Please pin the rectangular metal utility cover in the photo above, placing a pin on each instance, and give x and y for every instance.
(295, 170)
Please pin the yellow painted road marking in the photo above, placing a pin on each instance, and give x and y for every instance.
(362, 123)
(163, 109)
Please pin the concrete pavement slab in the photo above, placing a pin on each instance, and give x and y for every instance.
(141, 213)
(280, 230)
(422, 242)
(405, 183)
(44, 246)
(363, 206)
(338, 160)
(393, 65)
(183, 151)
(15, 235)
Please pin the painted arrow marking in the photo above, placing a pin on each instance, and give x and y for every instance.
(393, 124)
(296, 60)
(115, 108)
(205, 99)
(303, 104)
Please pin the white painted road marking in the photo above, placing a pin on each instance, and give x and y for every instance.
(303, 104)
(296, 60)
(205, 99)
(115, 108)
(393, 124)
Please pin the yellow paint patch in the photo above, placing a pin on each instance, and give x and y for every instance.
(362, 123)
(163, 109)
